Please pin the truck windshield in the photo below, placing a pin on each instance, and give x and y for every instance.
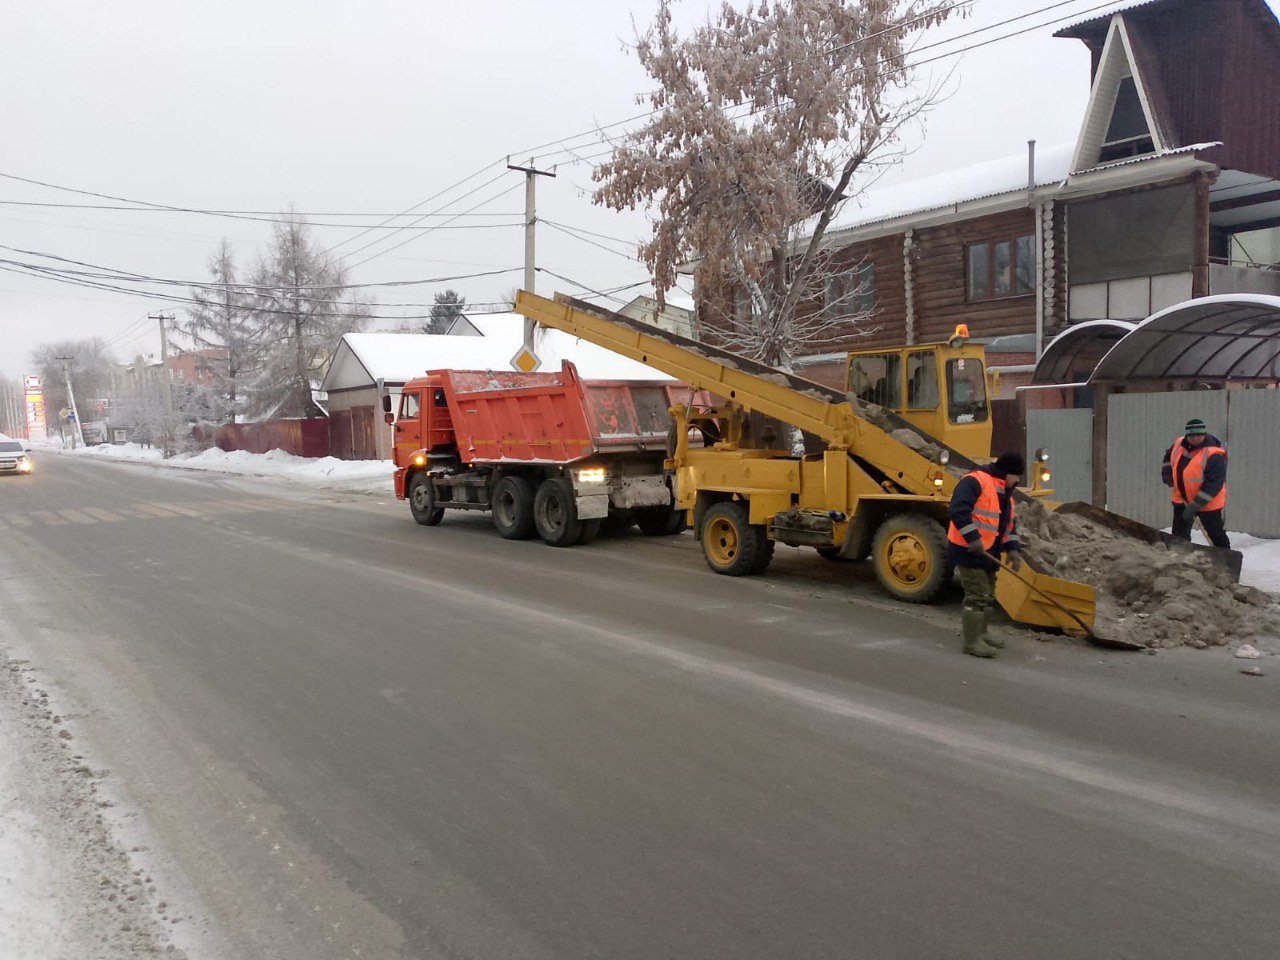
(966, 391)
(409, 406)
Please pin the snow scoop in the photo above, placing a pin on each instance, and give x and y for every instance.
(1076, 601)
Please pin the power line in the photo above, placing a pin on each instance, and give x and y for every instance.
(569, 232)
(272, 215)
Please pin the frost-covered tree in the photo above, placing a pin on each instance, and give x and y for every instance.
(222, 317)
(302, 306)
(89, 366)
(766, 119)
(446, 307)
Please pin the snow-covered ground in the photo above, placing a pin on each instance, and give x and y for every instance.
(371, 476)
(1261, 567)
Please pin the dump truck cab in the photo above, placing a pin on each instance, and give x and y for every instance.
(939, 388)
(423, 421)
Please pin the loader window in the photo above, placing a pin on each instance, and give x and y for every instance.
(922, 380)
(966, 391)
(409, 406)
(877, 379)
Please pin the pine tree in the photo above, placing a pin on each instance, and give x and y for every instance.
(222, 319)
(446, 308)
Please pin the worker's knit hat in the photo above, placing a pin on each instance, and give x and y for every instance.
(1194, 428)
(1011, 463)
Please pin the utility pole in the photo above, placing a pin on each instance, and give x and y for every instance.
(531, 174)
(77, 434)
(164, 376)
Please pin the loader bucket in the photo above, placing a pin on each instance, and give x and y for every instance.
(1024, 605)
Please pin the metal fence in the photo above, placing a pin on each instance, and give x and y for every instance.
(1068, 435)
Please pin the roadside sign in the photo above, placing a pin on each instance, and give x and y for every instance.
(33, 383)
(525, 360)
(34, 399)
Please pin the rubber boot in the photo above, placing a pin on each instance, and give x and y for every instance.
(989, 638)
(971, 628)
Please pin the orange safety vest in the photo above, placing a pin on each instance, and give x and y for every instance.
(1193, 477)
(986, 512)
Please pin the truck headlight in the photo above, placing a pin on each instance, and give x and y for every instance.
(591, 475)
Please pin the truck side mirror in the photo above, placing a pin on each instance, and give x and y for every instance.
(386, 404)
(389, 417)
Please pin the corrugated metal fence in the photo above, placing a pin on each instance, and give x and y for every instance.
(1139, 430)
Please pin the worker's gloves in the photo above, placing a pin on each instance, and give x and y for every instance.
(1189, 511)
(977, 549)
(1014, 559)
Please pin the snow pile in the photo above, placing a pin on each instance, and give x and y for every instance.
(1147, 593)
(322, 471)
(1261, 567)
(67, 889)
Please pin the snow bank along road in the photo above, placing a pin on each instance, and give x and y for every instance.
(329, 732)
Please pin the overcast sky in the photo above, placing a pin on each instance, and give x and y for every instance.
(370, 108)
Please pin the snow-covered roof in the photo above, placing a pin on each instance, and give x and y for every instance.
(974, 182)
(364, 358)
(1106, 12)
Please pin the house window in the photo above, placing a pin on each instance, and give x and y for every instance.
(1128, 134)
(1006, 268)
(850, 292)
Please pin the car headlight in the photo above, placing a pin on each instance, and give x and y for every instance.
(591, 475)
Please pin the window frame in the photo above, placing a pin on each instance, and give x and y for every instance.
(402, 413)
(990, 247)
(861, 275)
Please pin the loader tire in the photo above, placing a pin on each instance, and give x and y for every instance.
(422, 501)
(512, 508)
(730, 544)
(555, 513)
(910, 557)
(660, 521)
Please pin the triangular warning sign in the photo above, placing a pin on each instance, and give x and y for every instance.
(525, 360)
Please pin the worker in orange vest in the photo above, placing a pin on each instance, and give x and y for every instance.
(983, 526)
(1196, 468)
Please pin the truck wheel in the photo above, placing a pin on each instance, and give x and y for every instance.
(910, 556)
(590, 530)
(555, 515)
(512, 508)
(732, 545)
(660, 521)
(422, 501)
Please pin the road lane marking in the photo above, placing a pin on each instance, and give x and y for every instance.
(52, 519)
(154, 510)
(75, 516)
(179, 509)
(20, 521)
(101, 514)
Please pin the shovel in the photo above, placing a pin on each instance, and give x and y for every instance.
(1110, 643)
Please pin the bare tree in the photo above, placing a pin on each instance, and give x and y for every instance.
(221, 320)
(89, 366)
(446, 307)
(766, 121)
(302, 305)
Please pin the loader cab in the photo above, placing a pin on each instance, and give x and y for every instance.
(941, 388)
(423, 420)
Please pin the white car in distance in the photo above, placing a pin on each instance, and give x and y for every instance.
(14, 457)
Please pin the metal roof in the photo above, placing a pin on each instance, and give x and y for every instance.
(1231, 336)
(1123, 6)
(1069, 353)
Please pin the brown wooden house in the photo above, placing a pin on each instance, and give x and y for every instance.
(1170, 191)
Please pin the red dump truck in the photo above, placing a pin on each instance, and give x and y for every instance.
(546, 453)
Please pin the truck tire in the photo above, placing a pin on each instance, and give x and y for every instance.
(660, 521)
(730, 544)
(555, 515)
(512, 508)
(422, 501)
(590, 530)
(910, 556)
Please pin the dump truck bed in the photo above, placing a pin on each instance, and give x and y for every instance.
(503, 416)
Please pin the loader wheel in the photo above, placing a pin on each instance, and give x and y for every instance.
(660, 521)
(512, 508)
(732, 545)
(830, 553)
(910, 556)
(422, 501)
(555, 515)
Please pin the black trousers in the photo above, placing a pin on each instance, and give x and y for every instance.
(1210, 519)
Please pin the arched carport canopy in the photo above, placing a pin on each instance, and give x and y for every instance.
(1226, 337)
(1073, 354)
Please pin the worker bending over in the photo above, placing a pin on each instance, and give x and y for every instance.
(1196, 468)
(983, 526)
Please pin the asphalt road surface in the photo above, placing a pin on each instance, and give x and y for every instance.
(348, 735)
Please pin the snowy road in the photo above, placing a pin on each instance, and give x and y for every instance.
(332, 733)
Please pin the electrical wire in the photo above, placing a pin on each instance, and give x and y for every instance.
(567, 231)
